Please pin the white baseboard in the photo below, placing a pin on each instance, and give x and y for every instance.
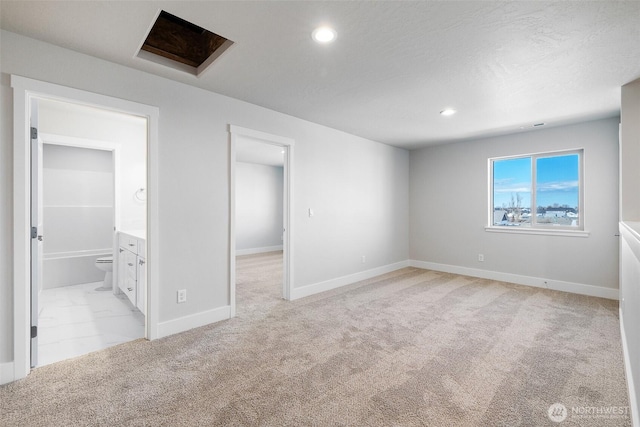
(327, 285)
(633, 401)
(538, 282)
(258, 250)
(186, 323)
(7, 373)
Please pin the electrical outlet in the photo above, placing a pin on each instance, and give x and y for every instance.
(182, 296)
(480, 258)
(364, 259)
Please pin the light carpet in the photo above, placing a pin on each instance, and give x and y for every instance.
(409, 348)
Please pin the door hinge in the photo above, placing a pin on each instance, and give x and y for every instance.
(34, 331)
(34, 133)
(34, 232)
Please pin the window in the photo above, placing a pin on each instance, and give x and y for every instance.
(537, 191)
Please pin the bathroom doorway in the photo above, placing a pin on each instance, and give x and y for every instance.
(260, 238)
(90, 183)
(25, 91)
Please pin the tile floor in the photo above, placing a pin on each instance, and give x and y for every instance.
(76, 320)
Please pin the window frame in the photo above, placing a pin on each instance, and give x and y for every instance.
(536, 227)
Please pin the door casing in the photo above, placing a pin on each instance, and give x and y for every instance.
(24, 91)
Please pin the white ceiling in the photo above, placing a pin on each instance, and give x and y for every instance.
(395, 64)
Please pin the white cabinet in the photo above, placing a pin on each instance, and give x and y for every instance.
(127, 270)
(132, 269)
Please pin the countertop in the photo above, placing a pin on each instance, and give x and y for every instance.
(138, 234)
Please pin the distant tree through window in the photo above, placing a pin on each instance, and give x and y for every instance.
(537, 191)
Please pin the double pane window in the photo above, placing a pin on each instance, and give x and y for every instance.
(537, 191)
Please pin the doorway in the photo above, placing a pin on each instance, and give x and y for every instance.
(82, 199)
(86, 197)
(267, 160)
(26, 94)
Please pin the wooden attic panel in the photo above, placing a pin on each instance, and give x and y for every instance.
(181, 41)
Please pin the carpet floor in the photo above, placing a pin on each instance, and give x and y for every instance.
(410, 348)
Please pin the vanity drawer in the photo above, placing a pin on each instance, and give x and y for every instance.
(127, 277)
(131, 269)
(129, 242)
(130, 290)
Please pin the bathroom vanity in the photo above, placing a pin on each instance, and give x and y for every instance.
(131, 267)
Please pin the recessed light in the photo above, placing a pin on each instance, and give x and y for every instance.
(324, 34)
(448, 112)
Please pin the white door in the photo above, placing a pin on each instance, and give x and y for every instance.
(36, 228)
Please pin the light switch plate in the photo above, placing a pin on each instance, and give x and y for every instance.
(182, 296)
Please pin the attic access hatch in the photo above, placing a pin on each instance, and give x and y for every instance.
(179, 44)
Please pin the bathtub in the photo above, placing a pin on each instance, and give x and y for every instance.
(72, 268)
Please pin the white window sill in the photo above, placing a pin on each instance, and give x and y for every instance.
(539, 231)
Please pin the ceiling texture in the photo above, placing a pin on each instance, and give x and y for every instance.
(504, 66)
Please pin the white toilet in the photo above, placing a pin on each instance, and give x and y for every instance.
(105, 264)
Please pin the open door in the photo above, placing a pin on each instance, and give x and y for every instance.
(36, 227)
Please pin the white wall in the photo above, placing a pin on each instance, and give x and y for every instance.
(259, 191)
(630, 152)
(630, 231)
(6, 229)
(358, 188)
(449, 210)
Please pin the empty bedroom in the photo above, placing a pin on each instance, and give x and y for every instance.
(379, 213)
